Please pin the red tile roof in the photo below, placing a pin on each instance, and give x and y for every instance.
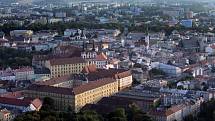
(13, 101)
(24, 69)
(37, 103)
(167, 112)
(89, 68)
(101, 57)
(50, 89)
(72, 91)
(212, 46)
(55, 80)
(92, 85)
(200, 63)
(16, 94)
(63, 61)
(106, 73)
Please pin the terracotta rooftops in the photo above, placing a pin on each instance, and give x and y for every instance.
(94, 74)
(55, 80)
(19, 102)
(37, 103)
(72, 91)
(5, 111)
(16, 94)
(63, 61)
(167, 112)
(51, 89)
(212, 46)
(24, 69)
(89, 68)
(101, 57)
(93, 85)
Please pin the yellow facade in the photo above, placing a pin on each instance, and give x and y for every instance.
(62, 102)
(66, 69)
(93, 96)
(125, 82)
(76, 101)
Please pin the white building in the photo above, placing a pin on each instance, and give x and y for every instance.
(168, 69)
(25, 73)
(210, 49)
(24, 105)
(99, 59)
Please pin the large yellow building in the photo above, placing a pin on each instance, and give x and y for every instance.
(76, 97)
(124, 77)
(65, 66)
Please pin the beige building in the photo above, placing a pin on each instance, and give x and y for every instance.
(65, 66)
(17, 33)
(25, 73)
(6, 115)
(76, 97)
(170, 114)
(176, 112)
(93, 57)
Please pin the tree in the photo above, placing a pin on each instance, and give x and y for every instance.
(48, 104)
(135, 114)
(189, 118)
(33, 48)
(117, 115)
(213, 69)
(207, 111)
(169, 62)
(29, 116)
(49, 118)
(88, 116)
(156, 72)
(180, 87)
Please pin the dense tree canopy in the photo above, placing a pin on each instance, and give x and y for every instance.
(47, 113)
(60, 26)
(14, 58)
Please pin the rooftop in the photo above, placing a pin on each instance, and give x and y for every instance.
(63, 61)
(72, 91)
(55, 80)
(19, 102)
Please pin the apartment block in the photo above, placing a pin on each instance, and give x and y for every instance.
(76, 97)
(65, 66)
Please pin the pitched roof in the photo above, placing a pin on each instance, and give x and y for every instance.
(55, 80)
(16, 94)
(63, 61)
(37, 103)
(14, 101)
(106, 73)
(167, 112)
(50, 89)
(24, 69)
(72, 91)
(93, 85)
(94, 73)
(5, 111)
(101, 56)
(89, 68)
(212, 46)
